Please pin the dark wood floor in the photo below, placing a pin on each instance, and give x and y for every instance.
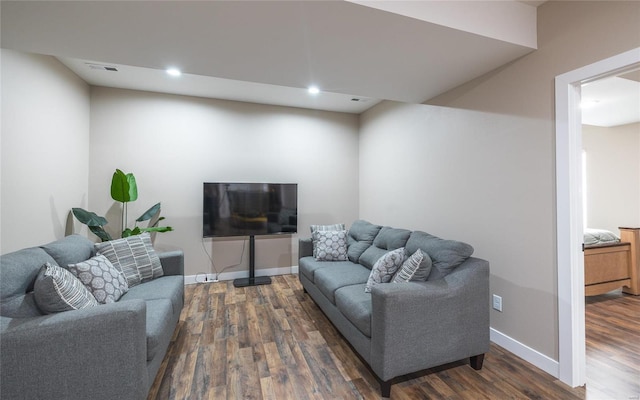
(613, 346)
(273, 342)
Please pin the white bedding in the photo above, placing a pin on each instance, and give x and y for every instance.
(599, 236)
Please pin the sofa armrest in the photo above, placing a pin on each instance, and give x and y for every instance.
(172, 262)
(305, 247)
(93, 353)
(420, 325)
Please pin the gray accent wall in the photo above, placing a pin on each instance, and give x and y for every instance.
(570, 35)
(478, 178)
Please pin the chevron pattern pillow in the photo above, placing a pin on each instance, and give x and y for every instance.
(134, 256)
(56, 290)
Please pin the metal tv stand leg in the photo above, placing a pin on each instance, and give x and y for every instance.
(252, 280)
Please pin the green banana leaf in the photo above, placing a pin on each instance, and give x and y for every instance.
(157, 229)
(123, 187)
(101, 233)
(89, 218)
(150, 213)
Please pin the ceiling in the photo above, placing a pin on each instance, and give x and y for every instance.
(356, 52)
(612, 101)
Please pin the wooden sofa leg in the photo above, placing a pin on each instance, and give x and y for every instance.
(476, 361)
(385, 388)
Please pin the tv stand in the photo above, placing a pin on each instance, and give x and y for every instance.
(252, 280)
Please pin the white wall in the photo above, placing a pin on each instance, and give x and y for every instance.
(469, 176)
(175, 143)
(613, 176)
(45, 142)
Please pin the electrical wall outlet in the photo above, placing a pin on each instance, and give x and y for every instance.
(497, 303)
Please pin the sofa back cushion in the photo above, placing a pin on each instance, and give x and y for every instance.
(387, 239)
(19, 271)
(71, 249)
(360, 237)
(446, 255)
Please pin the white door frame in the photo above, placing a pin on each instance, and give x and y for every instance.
(571, 308)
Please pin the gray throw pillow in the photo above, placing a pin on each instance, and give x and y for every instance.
(411, 266)
(56, 290)
(134, 256)
(384, 269)
(331, 245)
(334, 227)
(424, 269)
(103, 280)
(315, 228)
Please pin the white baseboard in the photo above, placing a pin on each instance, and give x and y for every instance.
(229, 276)
(525, 352)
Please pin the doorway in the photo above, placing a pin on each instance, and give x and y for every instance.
(570, 261)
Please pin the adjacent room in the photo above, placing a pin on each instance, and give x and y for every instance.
(327, 199)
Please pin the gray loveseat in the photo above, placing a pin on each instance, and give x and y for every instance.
(401, 328)
(109, 351)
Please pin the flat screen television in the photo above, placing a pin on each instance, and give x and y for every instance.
(249, 209)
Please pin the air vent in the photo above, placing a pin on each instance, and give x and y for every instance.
(102, 67)
(359, 99)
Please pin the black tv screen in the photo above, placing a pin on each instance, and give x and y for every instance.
(246, 209)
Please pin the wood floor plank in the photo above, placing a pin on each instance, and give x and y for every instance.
(273, 342)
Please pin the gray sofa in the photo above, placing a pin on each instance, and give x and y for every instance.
(110, 351)
(401, 328)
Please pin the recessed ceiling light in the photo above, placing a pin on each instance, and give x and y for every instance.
(313, 90)
(174, 72)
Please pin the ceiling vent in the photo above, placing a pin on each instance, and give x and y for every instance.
(102, 67)
(359, 99)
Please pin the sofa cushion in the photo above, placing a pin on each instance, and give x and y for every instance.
(159, 326)
(103, 280)
(167, 287)
(19, 270)
(418, 261)
(384, 269)
(70, 250)
(307, 266)
(388, 239)
(134, 256)
(333, 277)
(445, 254)
(360, 237)
(355, 304)
(330, 245)
(57, 290)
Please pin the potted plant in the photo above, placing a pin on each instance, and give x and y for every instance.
(124, 190)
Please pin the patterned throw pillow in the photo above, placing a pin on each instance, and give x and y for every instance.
(315, 228)
(103, 280)
(331, 245)
(410, 266)
(384, 268)
(56, 290)
(134, 256)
